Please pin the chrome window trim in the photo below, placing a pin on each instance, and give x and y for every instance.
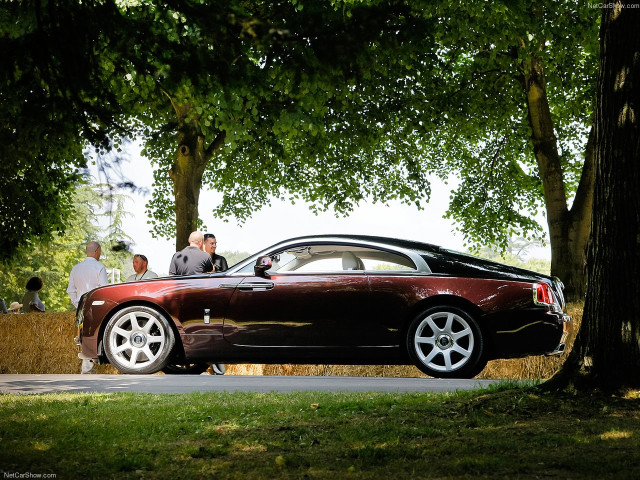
(418, 261)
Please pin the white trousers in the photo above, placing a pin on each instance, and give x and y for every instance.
(88, 366)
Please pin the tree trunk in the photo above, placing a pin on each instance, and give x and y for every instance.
(610, 331)
(186, 172)
(568, 229)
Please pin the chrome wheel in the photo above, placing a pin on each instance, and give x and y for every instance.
(445, 342)
(138, 340)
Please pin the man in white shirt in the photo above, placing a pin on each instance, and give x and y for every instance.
(86, 276)
(140, 263)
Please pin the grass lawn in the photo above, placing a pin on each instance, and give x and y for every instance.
(504, 432)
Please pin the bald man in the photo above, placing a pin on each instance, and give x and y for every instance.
(86, 276)
(191, 259)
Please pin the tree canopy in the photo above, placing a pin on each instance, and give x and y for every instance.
(484, 134)
(308, 109)
(53, 75)
(327, 102)
(516, 92)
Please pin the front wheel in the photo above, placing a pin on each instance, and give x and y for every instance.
(138, 340)
(446, 342)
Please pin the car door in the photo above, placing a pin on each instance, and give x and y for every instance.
(393, 293)
(201, 303)
(313, 305)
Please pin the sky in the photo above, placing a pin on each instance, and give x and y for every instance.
(283, 220)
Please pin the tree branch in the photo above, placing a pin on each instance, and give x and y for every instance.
(583, 201)
(217, 143)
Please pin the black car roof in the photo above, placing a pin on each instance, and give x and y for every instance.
(443, 260)
(396, 242)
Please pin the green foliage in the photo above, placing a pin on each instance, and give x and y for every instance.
(54, 70)
(52, 260)
(36, 186)
(308, 107)
(482, 136)
(328, 102)
(360, 100)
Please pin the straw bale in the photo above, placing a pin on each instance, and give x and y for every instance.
(244, 369)
(40, 343)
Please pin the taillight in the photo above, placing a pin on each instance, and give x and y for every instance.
(542, 294)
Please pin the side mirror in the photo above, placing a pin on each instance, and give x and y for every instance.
(262, 265)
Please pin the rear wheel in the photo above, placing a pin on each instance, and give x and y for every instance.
(446, 342)
(138, 340)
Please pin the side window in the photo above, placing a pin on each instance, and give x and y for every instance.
(283, 261)
(338, 258)
(304, 259)
(398, 264)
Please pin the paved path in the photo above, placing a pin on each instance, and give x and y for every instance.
(32, 384)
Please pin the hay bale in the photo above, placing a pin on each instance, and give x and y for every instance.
(40, 343)
(244, 369)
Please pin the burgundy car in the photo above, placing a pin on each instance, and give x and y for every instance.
(330, 299)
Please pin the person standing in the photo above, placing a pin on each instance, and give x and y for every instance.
(31, 299)
(140, 264)
(85, 276)
(192, 259)
(210, 244)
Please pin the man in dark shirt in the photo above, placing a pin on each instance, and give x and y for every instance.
(210, 244)
(191, 259)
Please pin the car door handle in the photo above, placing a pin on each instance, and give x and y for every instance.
(256, 286)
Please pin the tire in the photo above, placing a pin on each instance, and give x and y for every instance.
(138, 340)
(446, 342)
(185, 368)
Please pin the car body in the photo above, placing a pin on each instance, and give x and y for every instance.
(346, 299)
